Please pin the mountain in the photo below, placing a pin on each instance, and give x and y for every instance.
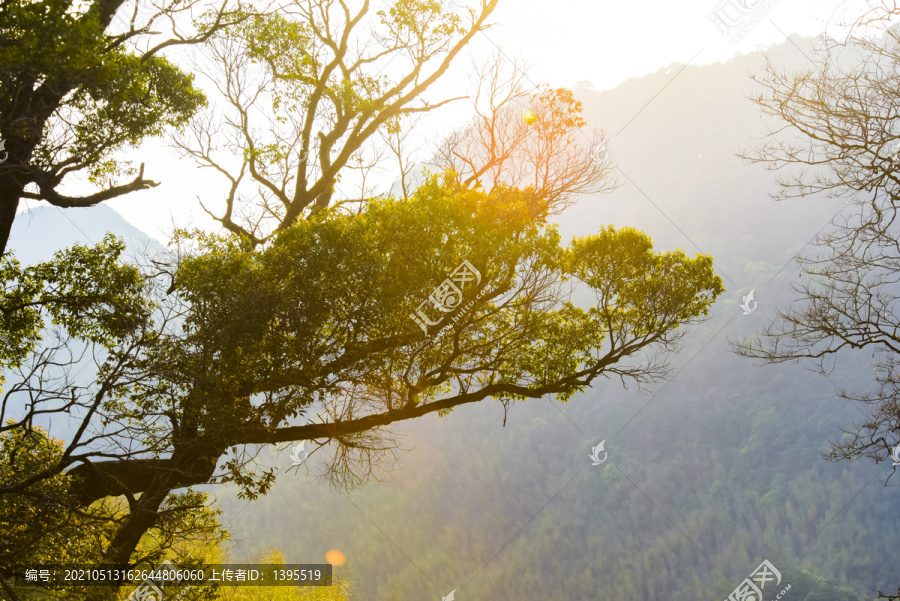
(707, 475)
(38, 233)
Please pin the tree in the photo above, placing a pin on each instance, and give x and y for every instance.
(94, 82)
(842, 134)
(319, 322)
(304, 95)
(532, 141)
(82, 308)
(360, 311)
(41, 524)
(36, 527)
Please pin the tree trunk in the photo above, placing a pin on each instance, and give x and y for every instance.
(10, 191)
(143, 516)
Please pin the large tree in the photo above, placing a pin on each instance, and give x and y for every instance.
(328, 317)
(317, 337)
(840, 136)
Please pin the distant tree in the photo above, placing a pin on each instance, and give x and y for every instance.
(842, 130)
(94, 81)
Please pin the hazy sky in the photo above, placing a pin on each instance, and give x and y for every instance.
(607, 42)
(567, 41)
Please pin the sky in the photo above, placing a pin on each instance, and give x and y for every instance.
(565, 41)
(608, 42)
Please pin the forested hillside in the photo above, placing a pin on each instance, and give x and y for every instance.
(706, 476)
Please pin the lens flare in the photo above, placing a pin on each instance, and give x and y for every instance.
(335, 557)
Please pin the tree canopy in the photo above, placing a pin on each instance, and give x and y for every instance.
(321, 321)
(305, 97)
(313, 315)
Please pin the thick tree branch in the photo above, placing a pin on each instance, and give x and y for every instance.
(49, 193)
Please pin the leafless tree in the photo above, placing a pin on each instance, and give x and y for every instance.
(840, 137)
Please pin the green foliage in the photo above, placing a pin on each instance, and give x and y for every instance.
(426, 20)
(129, 99)
(42, 525)
(38, 525)
(638, 290)
(89, 94)
(85, 290)
(807, 586)
(280, 317)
